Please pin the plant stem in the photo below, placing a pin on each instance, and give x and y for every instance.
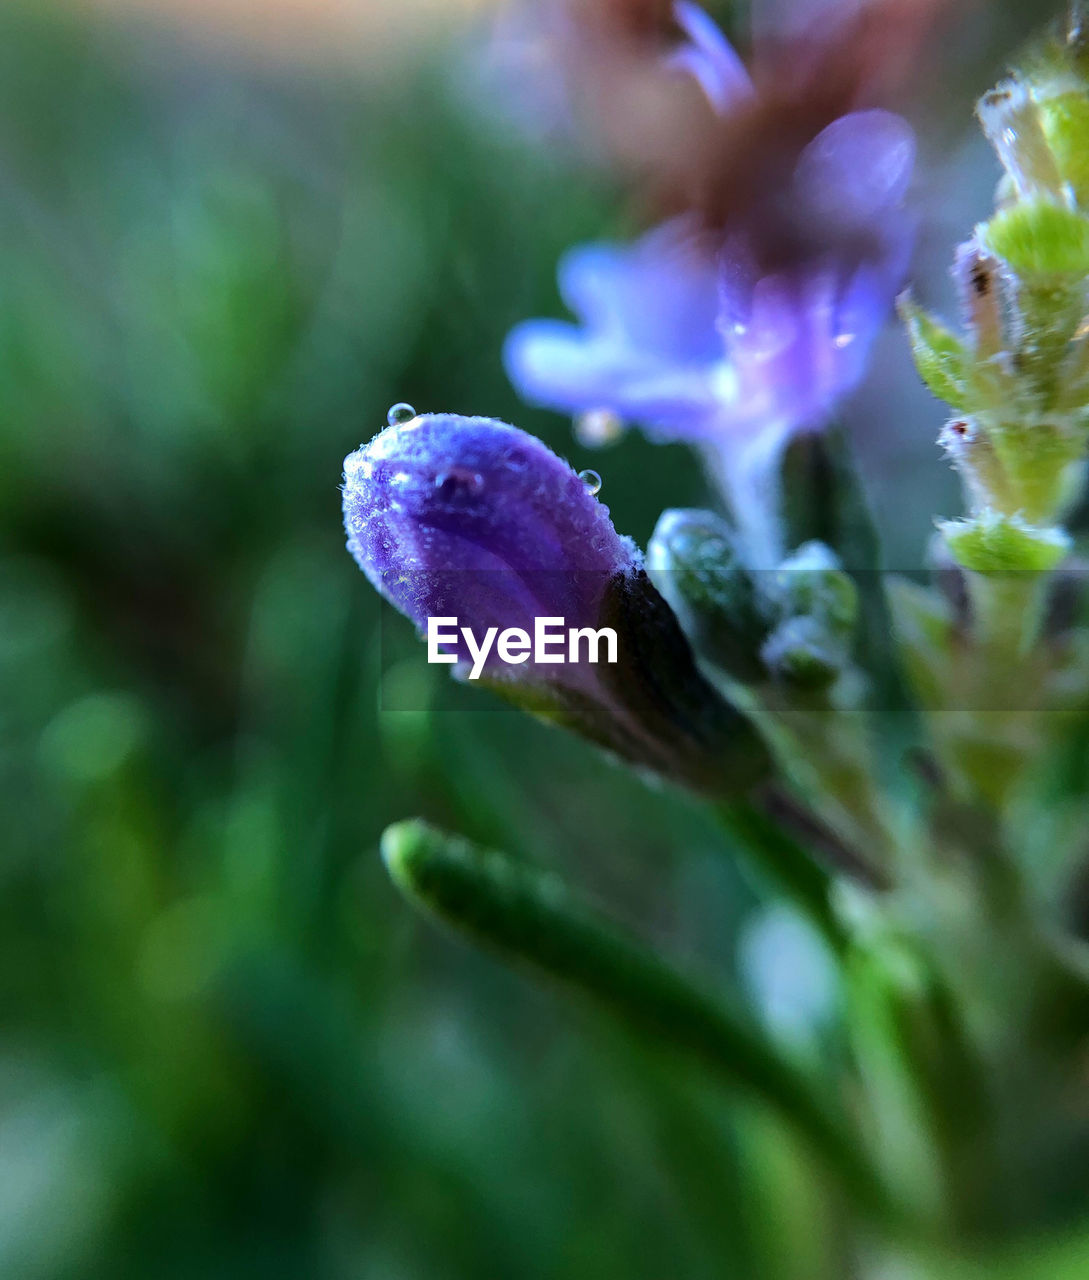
(1008, 609)
(778, 859)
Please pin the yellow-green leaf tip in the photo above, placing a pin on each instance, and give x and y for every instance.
(405, 847)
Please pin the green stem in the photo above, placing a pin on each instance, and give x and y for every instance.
(776, 858)
(533, 918)
(1008, 610)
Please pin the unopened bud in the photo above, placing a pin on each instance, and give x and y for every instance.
(813, 583)
(694, 560)
(801, 652)
(1011, 121)
(817, 602)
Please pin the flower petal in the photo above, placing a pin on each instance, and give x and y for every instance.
(856, 170)
(710, 58)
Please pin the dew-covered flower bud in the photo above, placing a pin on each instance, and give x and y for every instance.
(470, 517)
(800, 653)
(694, 560)
(817, 603)
(475, 522)
(812, 581)
(795, 623)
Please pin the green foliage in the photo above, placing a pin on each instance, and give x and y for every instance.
(222, 1051)
(1064, 118)
(992, 543)
(1039, 237)
(534, 919)
(940, 357)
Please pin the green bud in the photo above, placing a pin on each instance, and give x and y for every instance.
(802, 652)
(995, 543)
(694, 560)
(817, 603)
(1040, 237)
(812, 583)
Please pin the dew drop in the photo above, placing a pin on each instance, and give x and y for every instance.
(591, 480)
(400, 413)
(458, 482)
(842, 340)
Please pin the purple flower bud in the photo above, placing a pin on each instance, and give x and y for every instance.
(472, 519)
(475, 519)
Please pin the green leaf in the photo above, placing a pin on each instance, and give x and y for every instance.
(925, 631)
(1038, 237)
(940, 357)
(532, 918)
(994, 543)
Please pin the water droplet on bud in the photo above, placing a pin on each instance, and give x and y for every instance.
(400, 413)
(591, 480)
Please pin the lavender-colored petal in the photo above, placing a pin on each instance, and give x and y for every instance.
(660, 294)
(560, 366)
(856, 170)
(710, 58)
(648, 347)
(474, 519)
(805, 346)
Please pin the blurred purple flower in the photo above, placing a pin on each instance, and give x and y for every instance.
(738, 343)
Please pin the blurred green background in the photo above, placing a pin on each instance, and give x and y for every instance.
(227, 1049)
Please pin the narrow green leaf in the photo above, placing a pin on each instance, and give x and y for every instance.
(940, 356)
(533, 918)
